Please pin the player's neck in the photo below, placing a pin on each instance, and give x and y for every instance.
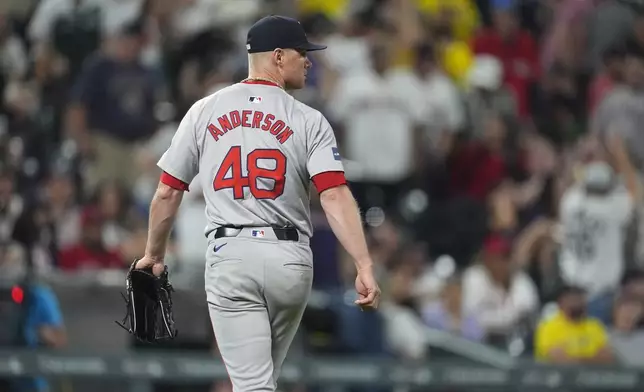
(267, 77)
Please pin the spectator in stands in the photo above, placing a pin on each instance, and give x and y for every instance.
(626, 338)
(35, 231)
(13, 56)
(480, 166)
(454, 51)
(561, 111)
(567, 15)
(348, 47)
(112, 109)
(90, 252)
(38, 317)
(197, 30)
(445, 116)
(617, 127)
(384, 241)
(486, 93)
(515, 48)
(633, 284)
(622, 112)
(335, 9)
(13, 69)
(463, 15)
(61, 200)
(11, 204)
(594, 216)
(380, 120)
(535, 250)
(65, 32)
(448, 315)
(609, 23)
(570, 336)
(611, 75)
(112, 201)
(404, 329)
(501, 296)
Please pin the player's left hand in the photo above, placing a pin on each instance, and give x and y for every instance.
(368, 290)
(146, 262)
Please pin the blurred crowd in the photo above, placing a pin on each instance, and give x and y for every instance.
(493, 146)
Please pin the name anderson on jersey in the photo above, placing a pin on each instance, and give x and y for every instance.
(250, 119)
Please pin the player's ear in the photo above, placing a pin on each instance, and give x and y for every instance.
(278, 54)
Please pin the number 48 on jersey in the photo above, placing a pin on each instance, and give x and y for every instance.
(237, 181)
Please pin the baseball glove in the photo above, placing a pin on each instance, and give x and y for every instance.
(149, 306)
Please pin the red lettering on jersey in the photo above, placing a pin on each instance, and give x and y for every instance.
(285, 135)
(224, 123)
(257, 118)
(268, 121)
(245, 115)
(235, 118)
(215, 132)
(251, 119)
(277, 127)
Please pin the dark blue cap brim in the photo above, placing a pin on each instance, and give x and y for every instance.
(309, 47)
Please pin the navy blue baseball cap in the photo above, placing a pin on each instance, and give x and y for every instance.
(274, 31)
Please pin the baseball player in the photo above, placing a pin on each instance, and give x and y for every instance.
(257, 150)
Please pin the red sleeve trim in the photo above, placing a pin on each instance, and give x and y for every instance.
(173, 182)
(327, 180)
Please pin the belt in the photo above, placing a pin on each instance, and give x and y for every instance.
(281, 233)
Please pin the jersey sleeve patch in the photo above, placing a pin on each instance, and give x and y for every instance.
(328, 180)
(173, 182)
(336, 154)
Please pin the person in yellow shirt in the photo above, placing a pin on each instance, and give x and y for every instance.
(457, 59)
(463, 14)
(570, 336)
(452, 24)
(333, 9)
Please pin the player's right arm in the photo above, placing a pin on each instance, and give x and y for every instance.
(326, 170)
(343, 215)
(180, 165)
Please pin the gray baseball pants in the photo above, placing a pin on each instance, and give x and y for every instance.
(257, 288)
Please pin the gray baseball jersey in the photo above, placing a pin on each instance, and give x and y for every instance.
(255, 148)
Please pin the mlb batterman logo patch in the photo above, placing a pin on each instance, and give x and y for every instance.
(257, 233)
(254, 99)
(336, 153)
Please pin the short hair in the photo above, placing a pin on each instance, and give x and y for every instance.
(569, 289)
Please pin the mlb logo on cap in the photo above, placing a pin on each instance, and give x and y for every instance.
(257, 233)
(254, 99)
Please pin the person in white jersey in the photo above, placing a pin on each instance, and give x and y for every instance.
(594, 217)
(257, 150)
